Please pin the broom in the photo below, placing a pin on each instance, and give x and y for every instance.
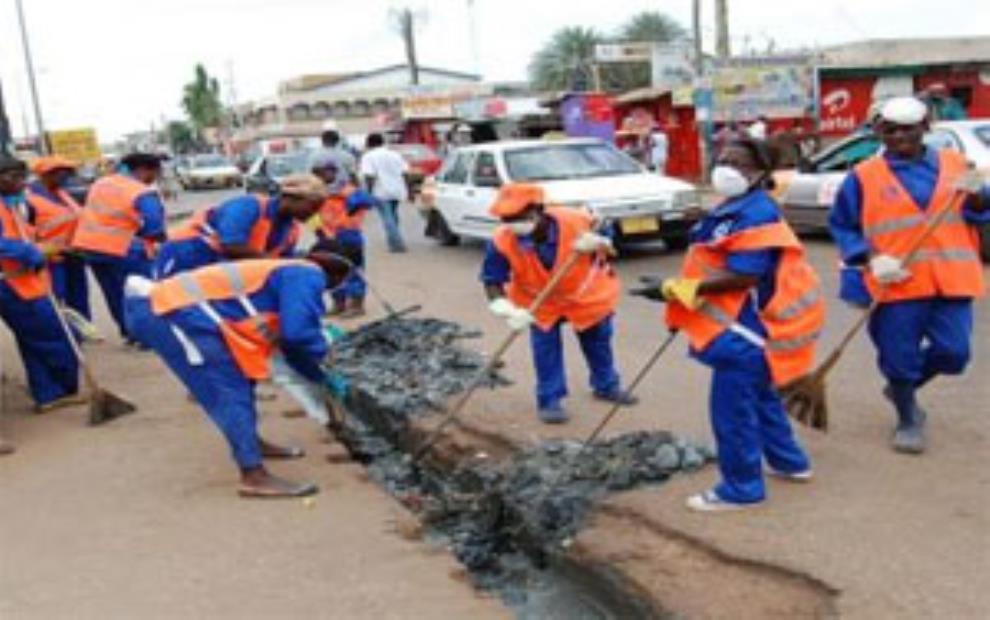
(805, 397)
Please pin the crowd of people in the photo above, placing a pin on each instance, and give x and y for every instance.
(229, 291)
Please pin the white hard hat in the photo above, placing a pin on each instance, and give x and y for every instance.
(904, 111)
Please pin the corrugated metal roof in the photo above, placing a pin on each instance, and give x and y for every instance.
(898, 52)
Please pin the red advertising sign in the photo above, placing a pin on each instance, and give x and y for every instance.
(845, 103)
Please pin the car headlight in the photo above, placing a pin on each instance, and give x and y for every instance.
(687, 199)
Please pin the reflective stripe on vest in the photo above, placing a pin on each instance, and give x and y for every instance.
(55, 222)
(948, 261)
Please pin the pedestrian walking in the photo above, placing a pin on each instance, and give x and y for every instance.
(384, 174)
(119, 225)
(333, 150)
(923, 325)
(532, 243)
(219, 328)
(751, 307)
(250, 226)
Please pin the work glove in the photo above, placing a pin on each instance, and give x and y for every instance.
(682, 290)
(650, 289)
(970, 182)
(335, 383)
(589, 243)
(515, 317)
(49, 250)
(888, 269)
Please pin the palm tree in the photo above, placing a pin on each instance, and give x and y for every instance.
(201, 101)
(565, 62)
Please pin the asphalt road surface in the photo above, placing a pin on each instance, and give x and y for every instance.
(139, 516)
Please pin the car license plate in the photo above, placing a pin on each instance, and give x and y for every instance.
(639, 225)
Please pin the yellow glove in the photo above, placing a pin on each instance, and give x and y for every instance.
(49, 250)
(682, 290)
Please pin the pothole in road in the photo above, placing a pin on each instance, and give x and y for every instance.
(510, 521)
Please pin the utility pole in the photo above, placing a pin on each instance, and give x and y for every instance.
(5, 135)
(42, 136)
(406, 23)
(473, 34)
(696, 30)
(722, 28)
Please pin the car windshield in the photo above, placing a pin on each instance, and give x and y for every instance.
(567, 161)
(983, 133)
(284, 165)
(210, 161)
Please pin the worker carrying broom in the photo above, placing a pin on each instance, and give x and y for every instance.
(340, 218)
(752, 308)
(251, 226)
(924, 320)
(25, 305)
(219, 329)
(532, 243)
(56, 214)
(119, 225)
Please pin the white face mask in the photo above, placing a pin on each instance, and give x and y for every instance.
(729, 182)
(522, 227)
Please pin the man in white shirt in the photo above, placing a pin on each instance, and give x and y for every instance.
(658, 150)
(384, 174)
(758, 129)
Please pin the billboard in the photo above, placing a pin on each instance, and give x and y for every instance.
(79, 145)
(672, 68)
(778, 86)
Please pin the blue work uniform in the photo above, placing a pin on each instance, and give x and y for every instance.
(111, 271)
(69, 281)
(915, 339)
(51, 368)
(294, 293)
(547, 347)
(747, 415)
(233, 221)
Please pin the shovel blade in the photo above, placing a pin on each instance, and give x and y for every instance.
(105, 406)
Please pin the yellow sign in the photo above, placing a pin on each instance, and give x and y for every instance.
(79, 145)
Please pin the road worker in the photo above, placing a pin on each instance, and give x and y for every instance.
(250, 226)
(219, 328)
(751, 308)
(341, 218)
(121, 222)
(25, 305)
(56, 214)
(533, 241)
(923, 325)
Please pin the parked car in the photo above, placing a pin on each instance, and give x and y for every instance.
(807, 193)
(422, 160)
(574, 173)
(207, 172)
(266, 171)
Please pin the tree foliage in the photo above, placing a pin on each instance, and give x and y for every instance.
(201, 101)
(180, 137)
(566, 61)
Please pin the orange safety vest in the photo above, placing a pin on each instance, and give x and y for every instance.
(948, 264)
(197, 226)
(793, 317)
(109, 221)
(54, 222)
(251, 340)
(28, 284)
(585, 296)
(334, 216)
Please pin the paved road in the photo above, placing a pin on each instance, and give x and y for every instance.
(139, 515)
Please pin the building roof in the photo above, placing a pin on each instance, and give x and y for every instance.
(906, 52)
(642, 94)
(305, 83)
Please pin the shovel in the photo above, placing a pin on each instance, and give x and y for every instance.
(495, 359)
(805, 397)
(103, 405)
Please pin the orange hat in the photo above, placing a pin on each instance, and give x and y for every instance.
(43, 165)
(514, 198)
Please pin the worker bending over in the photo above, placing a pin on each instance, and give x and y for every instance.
(751, 307)
(923, 325)
(25, 305)
(121, 221)
(218, 328)
(251, 226)
(55, 216)
(341, 218)
(533, 241)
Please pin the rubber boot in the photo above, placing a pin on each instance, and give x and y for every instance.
(909, 436)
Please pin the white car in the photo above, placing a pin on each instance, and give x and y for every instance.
(208, 171)
(574, 172)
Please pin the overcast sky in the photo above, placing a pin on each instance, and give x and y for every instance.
(120, 64)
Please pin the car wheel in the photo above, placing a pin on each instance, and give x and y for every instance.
(437, 228)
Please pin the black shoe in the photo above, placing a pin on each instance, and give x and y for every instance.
(618, 395)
